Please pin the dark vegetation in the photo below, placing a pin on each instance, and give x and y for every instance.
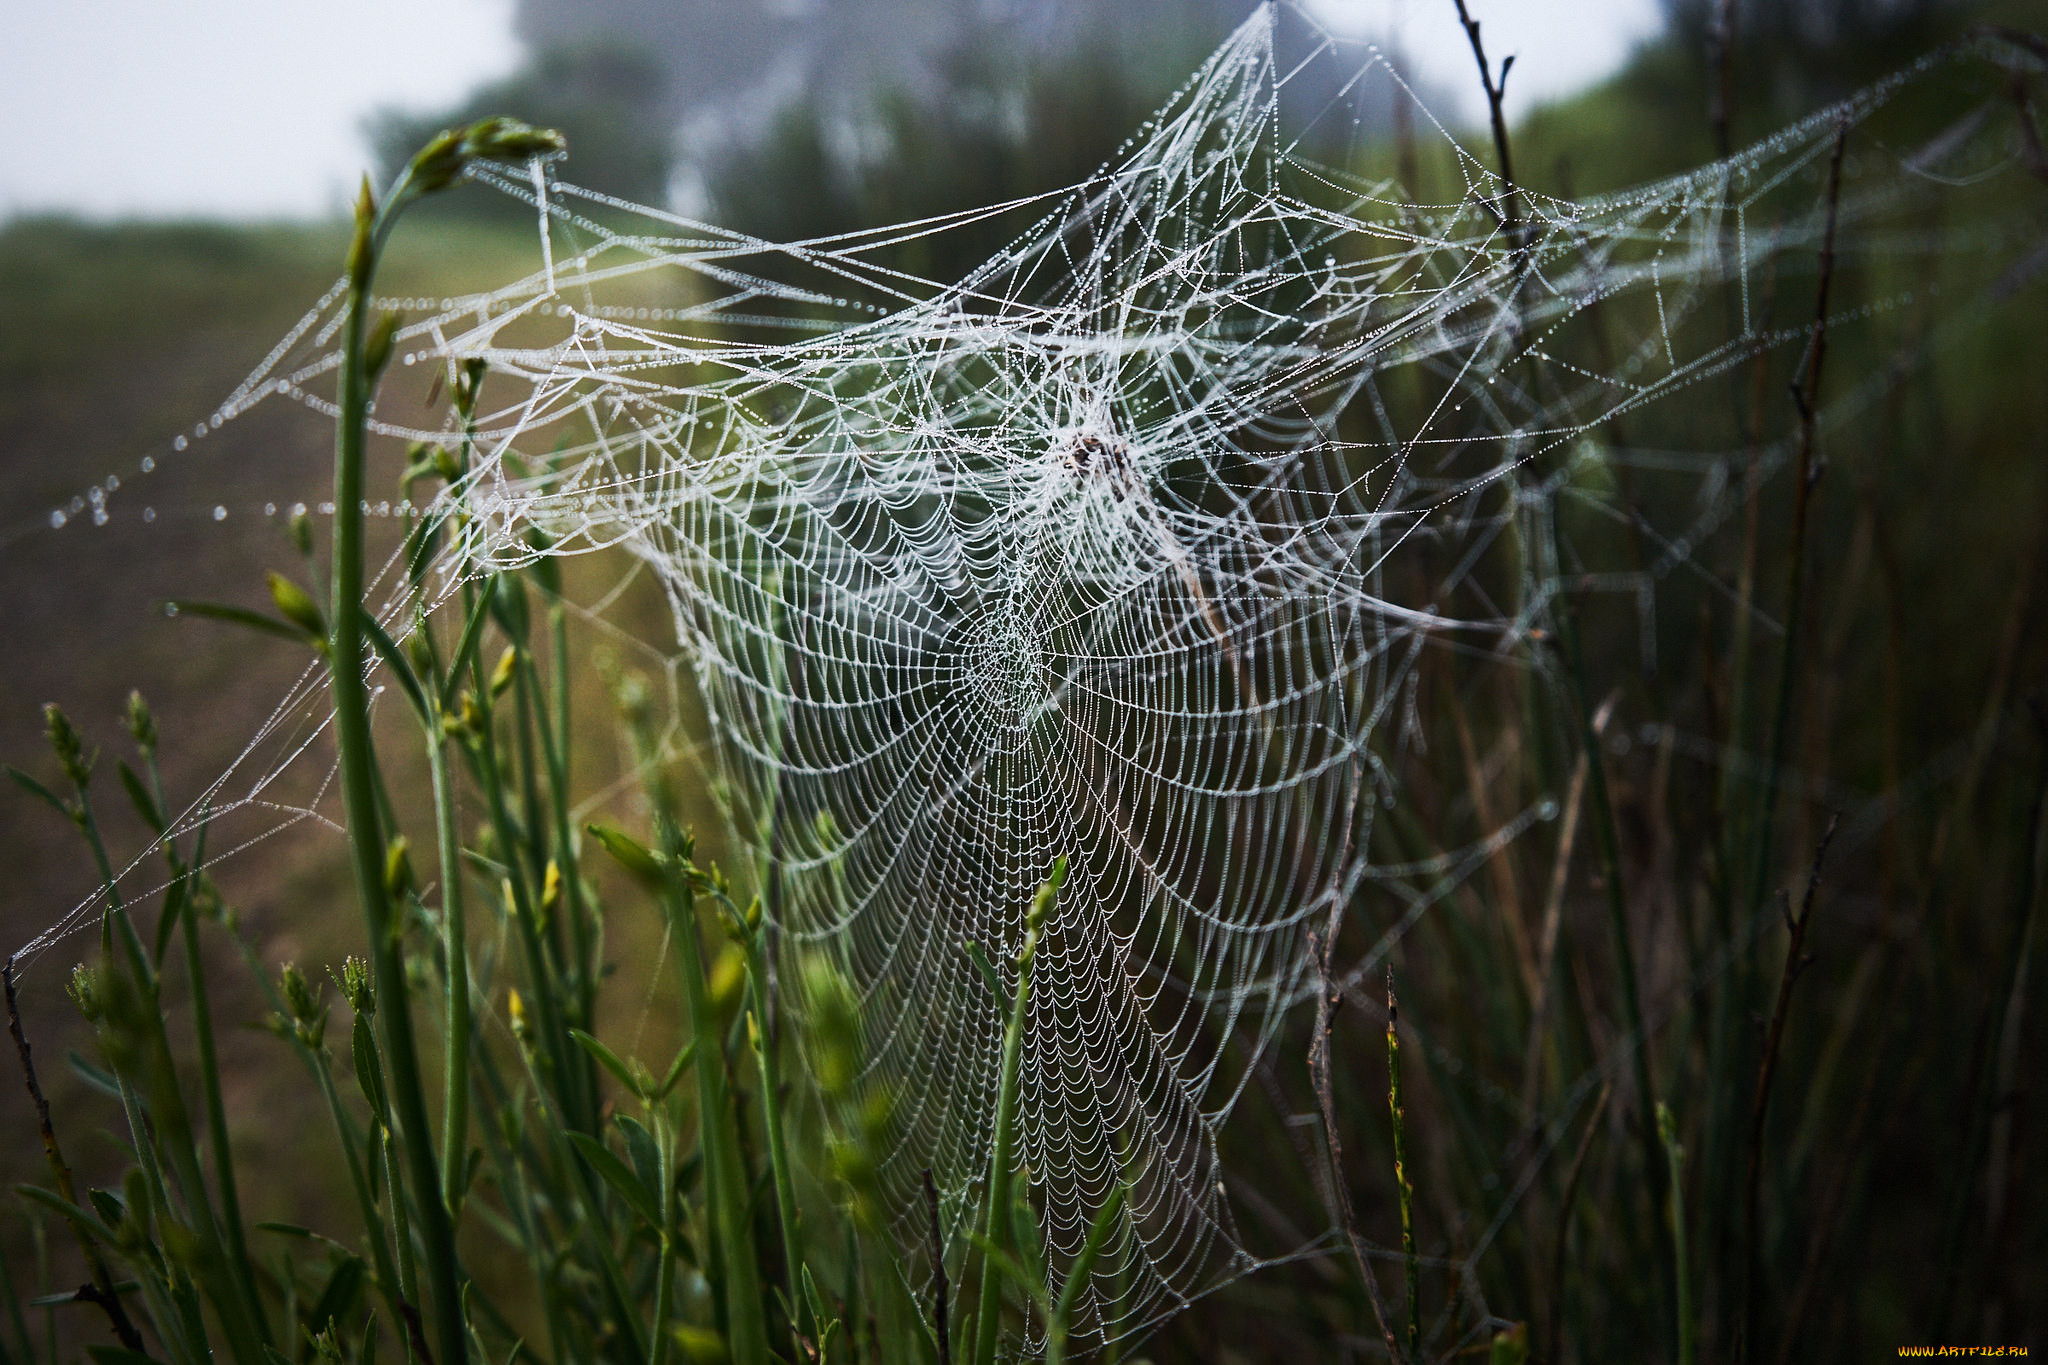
(1812, 834)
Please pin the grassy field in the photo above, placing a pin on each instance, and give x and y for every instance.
(1888, 1195)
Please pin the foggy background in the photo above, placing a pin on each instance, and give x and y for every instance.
(272, 108)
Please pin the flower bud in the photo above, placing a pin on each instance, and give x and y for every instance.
(377, 350)
(85, 993)
(297, 606)
(301, 530)
(299, 996)
(501, 676)
(398, 879)
(355, 985)
(68, 744)
(141, 724)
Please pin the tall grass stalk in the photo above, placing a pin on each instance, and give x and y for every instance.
(1413, 1265)
(363, 356)
(989, 1306)
(1686, 1328)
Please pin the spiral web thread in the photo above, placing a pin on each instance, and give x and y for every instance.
(1068, 559)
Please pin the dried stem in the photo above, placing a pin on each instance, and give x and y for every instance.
(1496, 93)
(1805, 390)
(102, 1282)
(1328, 998)
(1721, 93)
(1796, 961)
(1564, 1219)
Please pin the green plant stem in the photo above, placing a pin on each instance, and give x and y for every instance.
(989, 1305)
(554, 747)
(455, 986)
(117, 916)
(769, 1075)
(241, 1313)
(1059, 1323)
(366, 1203)
(671, 1219)
(1806, 396)
(1407, 1190)
(352, 734)
(1609, 843)
(744, 1306)
(572, 1079)
(733, 1237)
(239, 1263)
(1667, 1130)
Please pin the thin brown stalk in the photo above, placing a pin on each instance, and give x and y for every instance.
(1983, 1088)
(1828, 1211)
(1500, 865)
(1553, 916)
(102, 1285)
(1328, 998)
(1796, 961)
(1564, 1220)
(1721, 92)
(1496, 87)
(1805, 389)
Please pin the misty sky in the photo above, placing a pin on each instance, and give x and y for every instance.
(250, 108)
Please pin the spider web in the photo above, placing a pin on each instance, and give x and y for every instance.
(1070, 558)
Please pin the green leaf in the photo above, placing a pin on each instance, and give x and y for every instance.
(819, 1313)
(305, 1234)
(471, 1164)
(646, 1154)
(145, 805)
(238, 616)
(607, 1059)
(614, 1173)
(1010, 1267)
(401, 669)
(286, 1229)
(93, 1076)
(508, 608)
(174, 905)
(1084, 1264)
(109, 1205)
(369, 1070)
(420, 547)
(1024, 1233)
(37, 789)
(344, 1287)
(297, 606)
(465, 646)
(70, 1211)
(646, 866)
(986, 968)
(676, 1069)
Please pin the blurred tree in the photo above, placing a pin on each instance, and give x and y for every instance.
(1805, 52)
(986, 130)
